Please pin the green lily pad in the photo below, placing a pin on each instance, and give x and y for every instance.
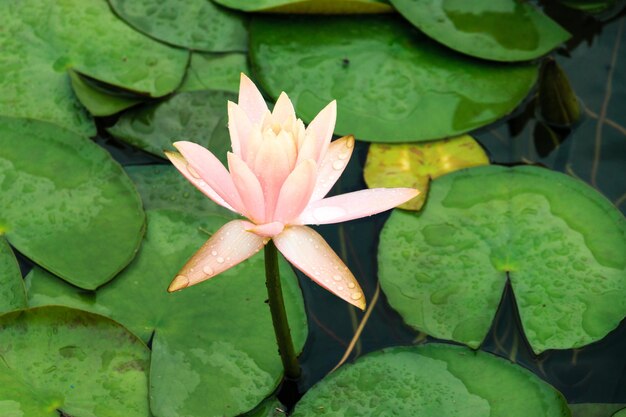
(620, 413)
(41, 40)
(215, 72)
(501, 30)
(561, 244)
(194, 24)
(392, 84)
(12, 295)
(431, 381)
(213, 345)
(309, 6)
(66, 204)
(56, 358)
(196, 116)
(98, 101)
(414, 165)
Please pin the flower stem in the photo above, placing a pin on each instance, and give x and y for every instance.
(279, 315)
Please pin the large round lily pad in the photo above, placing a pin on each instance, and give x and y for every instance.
(391, 83)
(12, 295)
(310, 6)
(415, 164)
(561, 244)
(194, 24)
(432, 381)
(66, 204)
(196, 116)
(213, 346)
(215, 72)
(41, 40)
(85, 365)
(502, 30)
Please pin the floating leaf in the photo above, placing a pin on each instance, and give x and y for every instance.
(620, 413)
(213, 346)
(194, 24)
(561, 244)
(215, 72)
(310, 6)
(56, 358)
(97, 101)
(12, 295)
(66, 204)
(41, 40)
(414, 165)
(392, 84)
(197, 116)
(432, 380)
(501, 30)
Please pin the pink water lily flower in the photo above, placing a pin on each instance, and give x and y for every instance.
(279, 172)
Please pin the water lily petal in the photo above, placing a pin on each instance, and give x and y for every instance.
(251, 101)
(355, 205)
(181, 164)
(202, 164)
(239, 127)
(309, 252)
(296, 191)
(283, 109)
(230, 245)
(332, 166)
(271, 166)
(267, 229)
(248, 187)
(319, 133)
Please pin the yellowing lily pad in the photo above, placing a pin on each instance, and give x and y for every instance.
(414, 165)
(391, 83)
(41, 40)
(60, 359)
(98, 101)
(310, 6)
(432, 381)
(197, 116)
(12, 294)
(215, 72)
(66, 204)
(213, 346)
(194, 24)
(561, 244)
(501, 30)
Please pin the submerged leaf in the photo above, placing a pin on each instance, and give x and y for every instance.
(557, 101)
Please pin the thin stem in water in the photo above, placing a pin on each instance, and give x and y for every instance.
(279, 315)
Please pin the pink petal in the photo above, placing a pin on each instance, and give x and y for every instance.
(230, 245)
(355, 205)
(181, 164)
(283, 109)
(202, 164)
(333, 165)
(310, 253)
(296, 191)
(268, 229)
(248, 187)
(251, 101)
(239, 127)
(271, 167)
(319, 133)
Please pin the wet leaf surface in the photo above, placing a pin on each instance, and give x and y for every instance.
(215, 72)
(42, 40)
(562, 245)
(57, 358)
(193, 24)
(432, 380)
(213, 345)
(197, 116)
(501, 30)
(66, 204)
(310, 6)
(391, 83)
(12, 294)
(414, 165)
(98, 101)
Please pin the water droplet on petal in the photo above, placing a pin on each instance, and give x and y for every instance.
(220, 259)
(337, 165)
(340, 288)
(207, 270)
(214, 253)
(356, 295)
(337, 277)
(351, 285)
(343, 155)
